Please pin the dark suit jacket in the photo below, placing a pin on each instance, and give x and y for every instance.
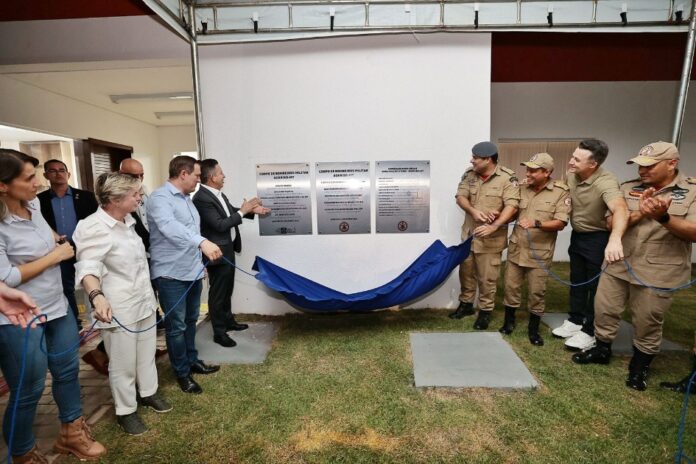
(85, 204)
(215, 225)
(141, 231)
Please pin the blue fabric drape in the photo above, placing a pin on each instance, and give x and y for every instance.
(428, 271)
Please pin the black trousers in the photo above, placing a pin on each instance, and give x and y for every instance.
(221, 279)
(586, 253)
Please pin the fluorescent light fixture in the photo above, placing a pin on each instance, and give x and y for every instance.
(134, 97)
(172, 114)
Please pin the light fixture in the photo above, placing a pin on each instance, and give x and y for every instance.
(134, 97)
(172, 114)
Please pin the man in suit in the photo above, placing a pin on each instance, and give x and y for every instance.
(219, 224)
(63, 206)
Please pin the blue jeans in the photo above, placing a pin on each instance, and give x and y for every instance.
(180, 322)
(61, 334)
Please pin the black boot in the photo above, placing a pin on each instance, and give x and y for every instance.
(464, 309)
(682, 385)
(638, 370)
(600, 354)
(509, 324)
(533, 330)
(482, 320)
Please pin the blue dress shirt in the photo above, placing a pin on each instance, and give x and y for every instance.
(64, 212)
(175, 235)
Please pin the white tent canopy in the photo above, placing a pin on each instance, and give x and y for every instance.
(220, 21)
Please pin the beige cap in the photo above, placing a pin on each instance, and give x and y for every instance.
(540, 160)
(654, 153)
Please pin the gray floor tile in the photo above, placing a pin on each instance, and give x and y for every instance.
(623, 345)
(467, 360)
(252, 347)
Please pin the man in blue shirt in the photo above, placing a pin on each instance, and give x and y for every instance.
(176, 245)
(62, 206)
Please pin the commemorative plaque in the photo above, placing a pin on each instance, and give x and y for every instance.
(343, 197)
(285, 188)
(403, 196)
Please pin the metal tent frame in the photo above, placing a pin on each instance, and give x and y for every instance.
(202, 22)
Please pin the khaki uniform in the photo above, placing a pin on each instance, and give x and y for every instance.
(590, 199)
(657, 257)
(531, 251)
(482, 267)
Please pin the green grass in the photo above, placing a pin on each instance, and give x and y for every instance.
(339, 389)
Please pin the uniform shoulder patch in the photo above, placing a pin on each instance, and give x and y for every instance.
(691, 180)
(561, 185)
(507, 170)
(631, 181)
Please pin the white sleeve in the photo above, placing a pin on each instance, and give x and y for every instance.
(92, 243)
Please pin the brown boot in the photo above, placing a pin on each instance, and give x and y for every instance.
(76, 438)
(32, 457)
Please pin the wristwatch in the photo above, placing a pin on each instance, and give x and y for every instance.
(664, 219)
(537, 224)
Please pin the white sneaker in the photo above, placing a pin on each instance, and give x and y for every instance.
(580, 341)
(568, 329)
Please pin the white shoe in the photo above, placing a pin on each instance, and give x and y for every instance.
(581, 341)
(568, 329)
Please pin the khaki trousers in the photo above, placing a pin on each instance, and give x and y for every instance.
(648, 309)
(131, 362)
(515, 275)
(480, 270)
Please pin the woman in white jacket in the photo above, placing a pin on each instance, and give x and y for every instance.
(112, 266)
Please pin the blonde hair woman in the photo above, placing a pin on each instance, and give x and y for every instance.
(112, 266)
(29, 261)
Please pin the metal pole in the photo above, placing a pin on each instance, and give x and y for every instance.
(196, 83)
(686, 76)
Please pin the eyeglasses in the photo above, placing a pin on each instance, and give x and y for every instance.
(56, 171)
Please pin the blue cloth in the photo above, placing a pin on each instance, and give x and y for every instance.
(175, 234)
(180, 323)
(428, 271)
(64, 212)
(61, 334)
(23, 241)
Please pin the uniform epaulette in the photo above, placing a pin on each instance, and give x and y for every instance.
(560, 184)
(507, 170)
(466, 173)
(634, 180)
(691, 180)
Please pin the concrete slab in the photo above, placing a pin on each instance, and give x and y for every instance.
(252, 347)
(468, 360)
(623, 345)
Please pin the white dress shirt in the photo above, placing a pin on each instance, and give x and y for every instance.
(112, 252)
(218, 195)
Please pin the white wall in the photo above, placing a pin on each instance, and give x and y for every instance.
(173, 140)
(368, 98)
(29, 107)
(627, 115)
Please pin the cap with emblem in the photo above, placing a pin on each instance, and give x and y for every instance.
(484, 149)
(654, 153)
(540, 160)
